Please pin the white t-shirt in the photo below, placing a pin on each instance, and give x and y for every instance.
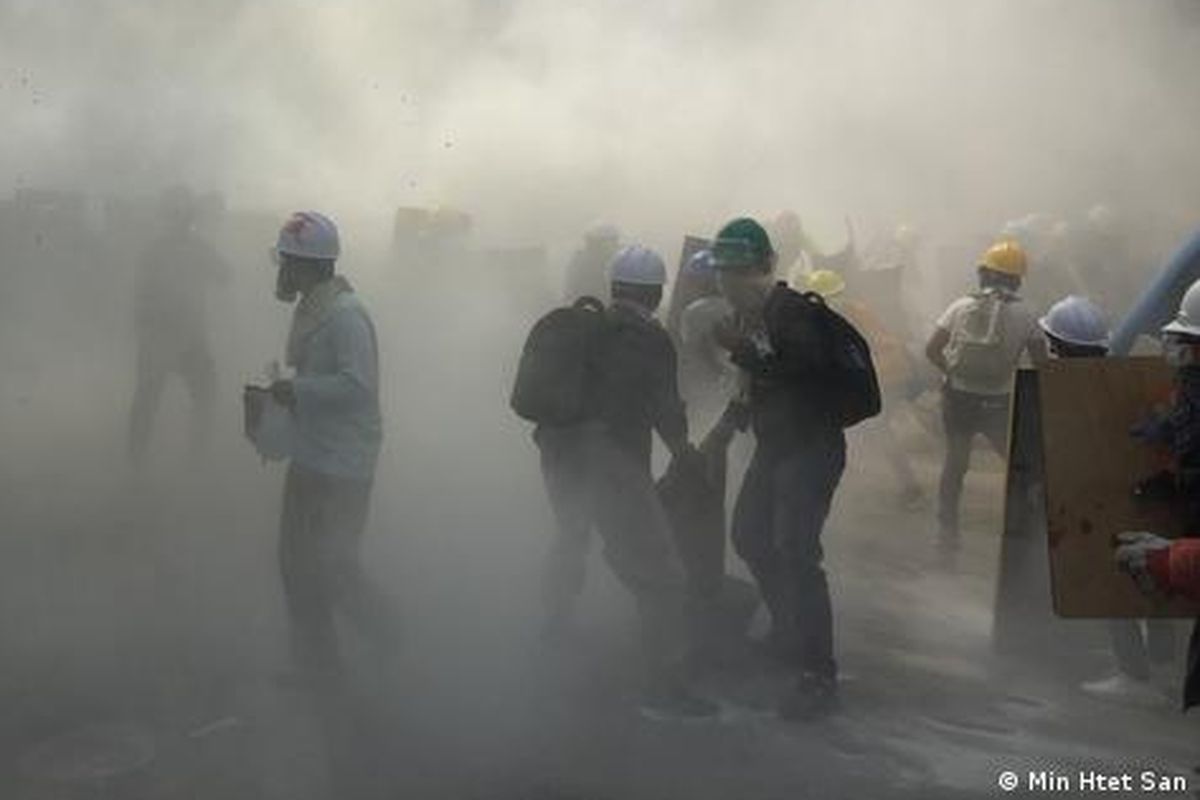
(1019, 330)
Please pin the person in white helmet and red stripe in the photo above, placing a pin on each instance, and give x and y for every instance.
(336, 433)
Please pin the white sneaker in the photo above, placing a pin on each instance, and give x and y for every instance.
(1122, 688)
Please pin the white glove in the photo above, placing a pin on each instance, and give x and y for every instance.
(1133, 557)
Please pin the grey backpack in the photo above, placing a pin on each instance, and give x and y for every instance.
(977, 352)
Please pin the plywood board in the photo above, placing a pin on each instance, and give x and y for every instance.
(1092, 464)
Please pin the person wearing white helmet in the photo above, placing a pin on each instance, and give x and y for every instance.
(178, 273)
(1075, 327)
(1159, 565)
(336, 433)
(598, 477)
(586, 273)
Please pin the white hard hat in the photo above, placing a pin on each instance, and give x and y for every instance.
(638, 265)
(1187, 321)
(1076, 320)
(308, 234)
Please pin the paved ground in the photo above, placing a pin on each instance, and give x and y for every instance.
(142, 633)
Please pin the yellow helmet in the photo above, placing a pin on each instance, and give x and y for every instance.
(825, 282)
(1007, 257)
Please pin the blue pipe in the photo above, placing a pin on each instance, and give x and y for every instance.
(1158, 304)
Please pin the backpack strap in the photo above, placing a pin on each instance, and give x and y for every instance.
(588, 303)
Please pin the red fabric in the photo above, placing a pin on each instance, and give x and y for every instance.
(1178, 568)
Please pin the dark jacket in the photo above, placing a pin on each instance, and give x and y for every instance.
(637, 389)
(789, 408)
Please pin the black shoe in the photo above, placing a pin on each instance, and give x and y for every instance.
(814, 697)
(676, 704)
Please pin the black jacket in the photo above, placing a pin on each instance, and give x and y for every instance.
(637, 388)
(789, 407)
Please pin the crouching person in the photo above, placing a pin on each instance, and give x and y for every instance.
(598, 382)
(335, 434)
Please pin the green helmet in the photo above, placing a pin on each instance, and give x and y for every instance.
(743, 245)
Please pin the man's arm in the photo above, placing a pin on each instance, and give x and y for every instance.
(670, 417)
(935, 349)
(1176, 569)
(355, 376)
(802, 353)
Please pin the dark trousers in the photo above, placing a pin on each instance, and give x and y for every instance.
(1137, 650)
(965, 415)
(154, 365)
(595, 485)
(777, 524)
(321, 527)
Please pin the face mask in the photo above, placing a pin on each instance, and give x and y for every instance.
(745, 292)
(285, 288)
(1178, 353)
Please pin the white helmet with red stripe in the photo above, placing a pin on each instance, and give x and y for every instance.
(308, 234)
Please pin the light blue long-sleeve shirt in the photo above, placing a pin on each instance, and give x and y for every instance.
(337, 427)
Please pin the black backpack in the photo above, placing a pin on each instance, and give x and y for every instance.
(836, 349)
(555, 375)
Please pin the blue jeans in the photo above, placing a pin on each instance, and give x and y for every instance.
(777, 524)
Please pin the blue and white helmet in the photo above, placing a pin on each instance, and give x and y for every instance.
(1076, 320)
(700, 263)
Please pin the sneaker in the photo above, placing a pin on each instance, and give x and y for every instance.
(676, 705)
(1122, 688)
(815, 697)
